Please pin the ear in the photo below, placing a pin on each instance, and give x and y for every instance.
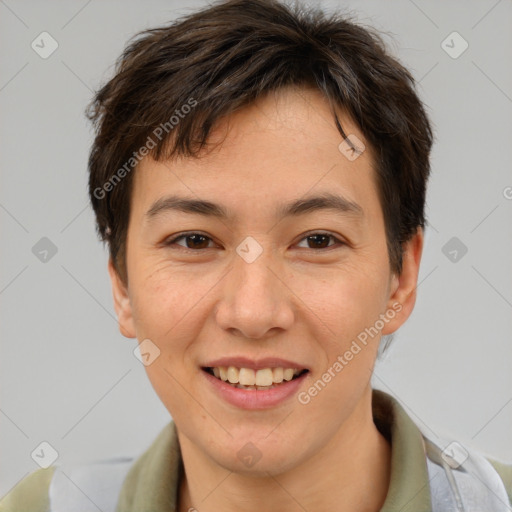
(122, 303)
(403, 287)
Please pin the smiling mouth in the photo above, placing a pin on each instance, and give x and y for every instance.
(259, 380)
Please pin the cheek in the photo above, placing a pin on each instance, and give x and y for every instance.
(350, 307)
(171, 307)
(344, 300)
(167, 310)
(163, 297)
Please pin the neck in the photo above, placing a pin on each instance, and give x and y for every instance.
(338, 477)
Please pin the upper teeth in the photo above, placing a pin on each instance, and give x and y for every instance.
(250, 377)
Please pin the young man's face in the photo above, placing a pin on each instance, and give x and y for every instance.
(250, 291)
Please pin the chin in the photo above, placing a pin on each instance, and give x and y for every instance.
(256, 459)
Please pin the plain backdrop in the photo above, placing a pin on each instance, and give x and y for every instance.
(69, 378)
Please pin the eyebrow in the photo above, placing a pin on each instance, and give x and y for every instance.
(326, 201)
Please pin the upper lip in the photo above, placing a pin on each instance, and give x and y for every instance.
(255, 364)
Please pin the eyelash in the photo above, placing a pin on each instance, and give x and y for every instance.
(170, 242)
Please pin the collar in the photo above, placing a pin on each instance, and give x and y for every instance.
(152, 483)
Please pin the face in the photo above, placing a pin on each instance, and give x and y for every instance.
(265, 279)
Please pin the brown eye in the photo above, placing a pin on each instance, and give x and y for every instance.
(320, 241)
(192, 241)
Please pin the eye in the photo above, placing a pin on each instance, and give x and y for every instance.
(321, 240)
(192, 241)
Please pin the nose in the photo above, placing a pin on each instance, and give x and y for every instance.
(255, 301)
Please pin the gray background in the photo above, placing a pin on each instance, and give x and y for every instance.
(69, 378)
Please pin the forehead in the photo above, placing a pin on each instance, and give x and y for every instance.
(282, 147)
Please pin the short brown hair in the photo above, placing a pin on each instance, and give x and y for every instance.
(222, 58)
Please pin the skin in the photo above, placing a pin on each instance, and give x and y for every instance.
(295, 301)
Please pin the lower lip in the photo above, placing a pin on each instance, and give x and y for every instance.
(252, 399)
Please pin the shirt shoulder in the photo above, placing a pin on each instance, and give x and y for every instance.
(460, 474)
(70, 487)
(504, 470)
(126, 483)
(31, 494)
